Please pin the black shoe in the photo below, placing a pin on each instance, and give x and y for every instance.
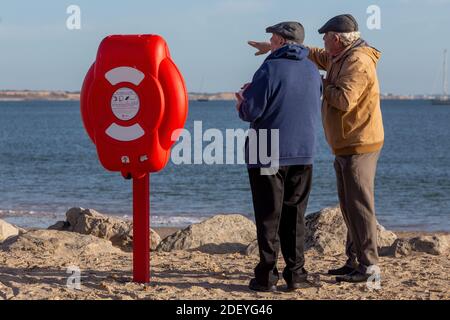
(255, 286)
(341, 271)
(353, 277)
(309, 281)
(292, 286)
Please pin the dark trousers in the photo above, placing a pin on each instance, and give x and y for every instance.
(280, 202)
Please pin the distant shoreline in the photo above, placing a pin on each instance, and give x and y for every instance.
(47, 95)
(44, 95)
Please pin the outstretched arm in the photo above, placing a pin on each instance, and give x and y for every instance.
(316, 55)
(319, 57)
(263, 47)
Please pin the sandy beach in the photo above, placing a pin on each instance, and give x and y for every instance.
(31, 269)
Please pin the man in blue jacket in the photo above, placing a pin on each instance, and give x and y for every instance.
(284, 95)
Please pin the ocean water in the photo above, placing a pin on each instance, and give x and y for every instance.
(48, 164)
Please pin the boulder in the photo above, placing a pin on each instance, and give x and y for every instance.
(7, 230)
(219, 234)
(88, 221)
(431, 244)
(434, 244)
(400, 247)
(59, 244)
(326, 232)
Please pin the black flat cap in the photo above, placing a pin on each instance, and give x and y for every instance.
(289, 30)
(341, 23)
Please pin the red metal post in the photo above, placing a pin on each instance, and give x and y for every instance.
(141, 229)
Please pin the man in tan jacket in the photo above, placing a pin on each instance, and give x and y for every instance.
(353, 126)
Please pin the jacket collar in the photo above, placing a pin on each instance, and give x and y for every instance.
(358, 43)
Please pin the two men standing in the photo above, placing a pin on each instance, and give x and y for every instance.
(352, 122)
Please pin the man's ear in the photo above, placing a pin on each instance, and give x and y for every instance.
(335, 38)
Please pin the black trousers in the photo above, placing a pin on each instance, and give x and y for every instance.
(280, 202)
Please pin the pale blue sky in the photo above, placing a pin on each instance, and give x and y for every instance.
(207, 39)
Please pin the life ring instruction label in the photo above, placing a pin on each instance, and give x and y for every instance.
(125, 103)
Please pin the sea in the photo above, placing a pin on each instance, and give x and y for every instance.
(48, 165)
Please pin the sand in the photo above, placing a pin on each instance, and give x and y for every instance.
(197, 275)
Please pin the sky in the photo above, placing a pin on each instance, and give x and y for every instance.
(208, 39)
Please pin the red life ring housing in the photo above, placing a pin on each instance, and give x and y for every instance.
(132, 100)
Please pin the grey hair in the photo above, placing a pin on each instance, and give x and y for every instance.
(347, 38)
(290, 42)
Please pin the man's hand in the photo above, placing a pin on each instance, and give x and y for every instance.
(239, 99)
(263, 47)
(245, 86)
(239, 96)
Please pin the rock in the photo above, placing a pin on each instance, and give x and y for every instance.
(385, 238)
(327, 233)
(7, 230)
(59, 244)
(252, 248)
(21, 230)
(60, 225)
(219, 234)
(435, 244)
(88, 221)
(400, 247)
(432, 244)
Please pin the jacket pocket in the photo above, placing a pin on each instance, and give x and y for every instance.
(348, 123)
(356, 126)
(332, 119)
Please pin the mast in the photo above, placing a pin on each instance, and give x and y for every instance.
(445, 80)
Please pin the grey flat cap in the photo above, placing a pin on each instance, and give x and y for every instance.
(341, 23)
(289, 30)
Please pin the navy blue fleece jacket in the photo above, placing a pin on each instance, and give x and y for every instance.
(285, 94)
